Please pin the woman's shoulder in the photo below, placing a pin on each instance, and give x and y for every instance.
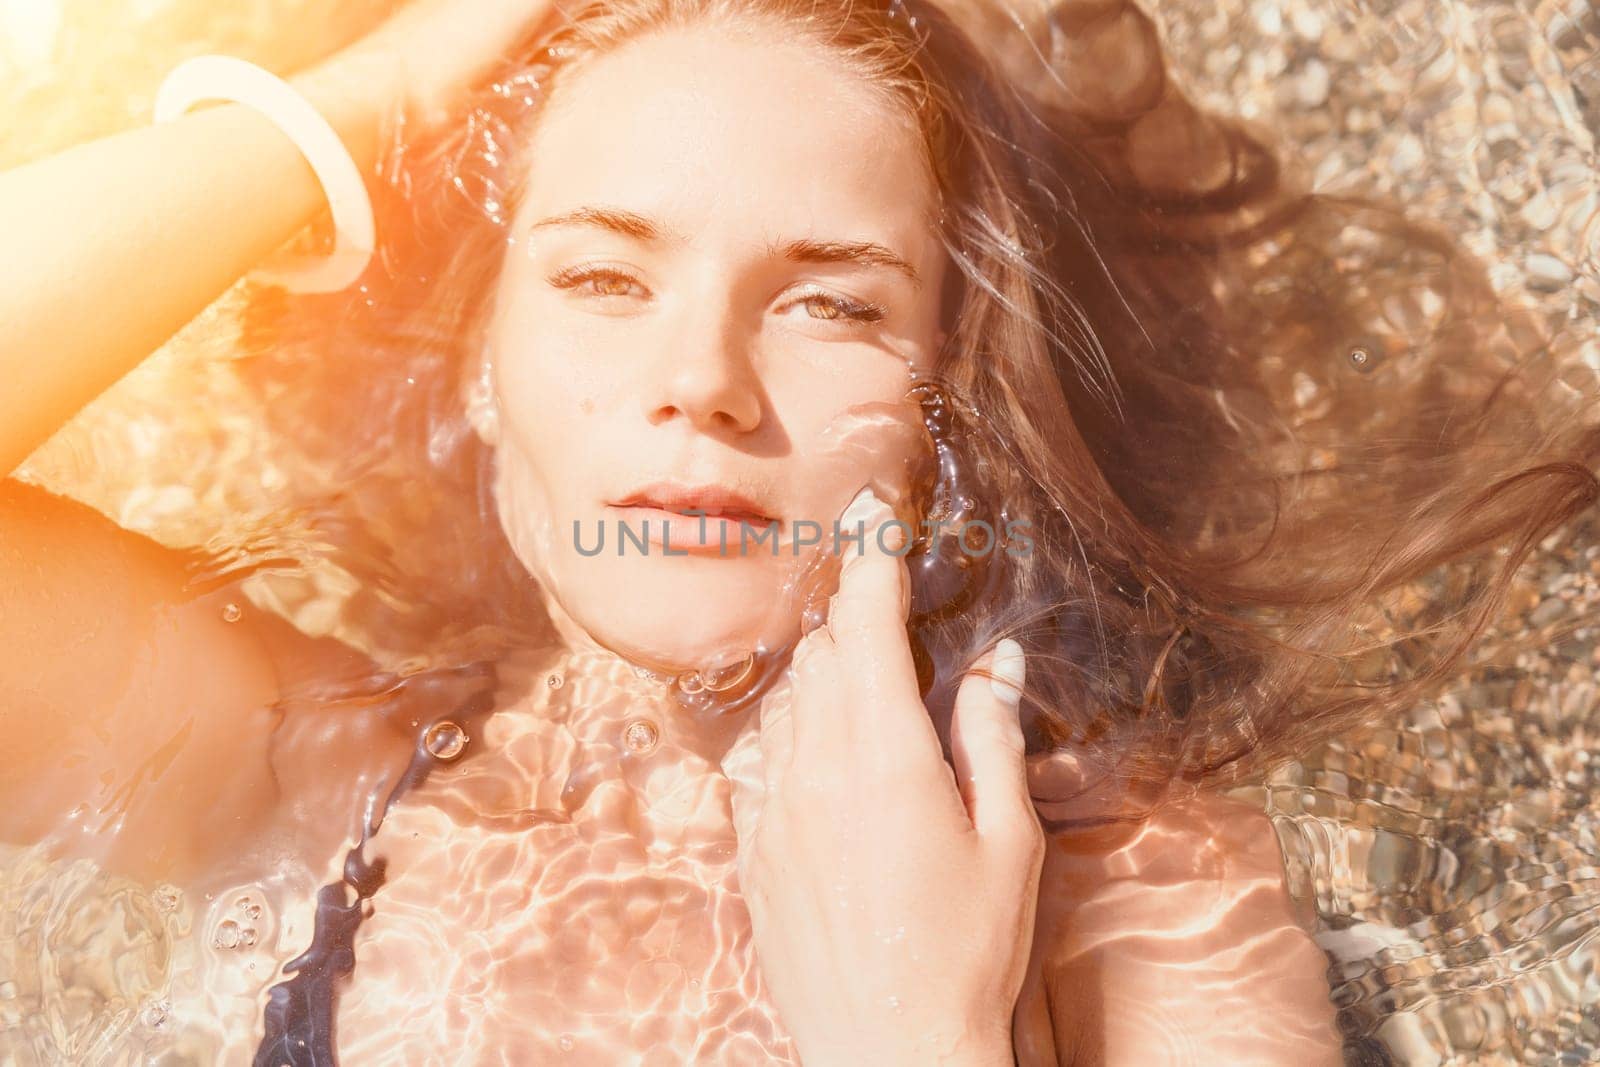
(124, 692)
(94, 613)
(1174, 940)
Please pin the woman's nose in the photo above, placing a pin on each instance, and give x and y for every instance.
(707, 377)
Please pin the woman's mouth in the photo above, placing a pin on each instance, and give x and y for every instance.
(702, 520)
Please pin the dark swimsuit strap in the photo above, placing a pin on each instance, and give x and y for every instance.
(300, 1012)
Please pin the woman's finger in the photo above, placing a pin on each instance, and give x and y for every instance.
(864, 615)
(987, 745)
(868, 623)
(777, 737)
(818, 716)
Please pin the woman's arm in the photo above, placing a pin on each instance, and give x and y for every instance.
(112, 246)
(156, 730)
(133, 705)
(1174, 944)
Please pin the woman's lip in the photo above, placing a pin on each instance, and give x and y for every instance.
(714, 499)
(737, 514)
(677, 533)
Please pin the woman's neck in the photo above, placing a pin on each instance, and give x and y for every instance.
(578, 644)
(607, 690)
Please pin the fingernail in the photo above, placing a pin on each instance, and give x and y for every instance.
(1010, 669)
(866, 507)
(860, 525)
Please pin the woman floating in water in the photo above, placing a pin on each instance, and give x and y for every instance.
(1124, 458)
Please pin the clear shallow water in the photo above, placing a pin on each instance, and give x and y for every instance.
(1452, 861)
(1448, 862)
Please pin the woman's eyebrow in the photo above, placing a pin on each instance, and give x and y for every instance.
(803, 250)
(867, 253)
(627, 223)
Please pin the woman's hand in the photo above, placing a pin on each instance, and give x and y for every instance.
(425, 57)
(892, 909)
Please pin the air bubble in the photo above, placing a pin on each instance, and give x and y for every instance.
(648, 675)
(1363, 358)
(445, 740)
(640, 735)
(691, 682)
(722, 679)
(228, 935)
(555, 681)
(566, 1042)
(231, 612)
(167, 897)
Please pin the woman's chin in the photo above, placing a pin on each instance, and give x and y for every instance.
(672, 617)
(678, 650)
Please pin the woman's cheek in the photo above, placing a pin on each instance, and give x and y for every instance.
(878, 441)
(543, 388)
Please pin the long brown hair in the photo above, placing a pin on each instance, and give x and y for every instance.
(1237, 416)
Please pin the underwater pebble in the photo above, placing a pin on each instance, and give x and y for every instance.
(1547, 274)
(155, 1014)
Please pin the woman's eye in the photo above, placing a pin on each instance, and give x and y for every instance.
(593, 281)
(606, 282)
(833, 308)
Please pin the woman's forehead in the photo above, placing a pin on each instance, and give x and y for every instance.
(694, 127)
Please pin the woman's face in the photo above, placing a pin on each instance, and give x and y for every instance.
(722, 273)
